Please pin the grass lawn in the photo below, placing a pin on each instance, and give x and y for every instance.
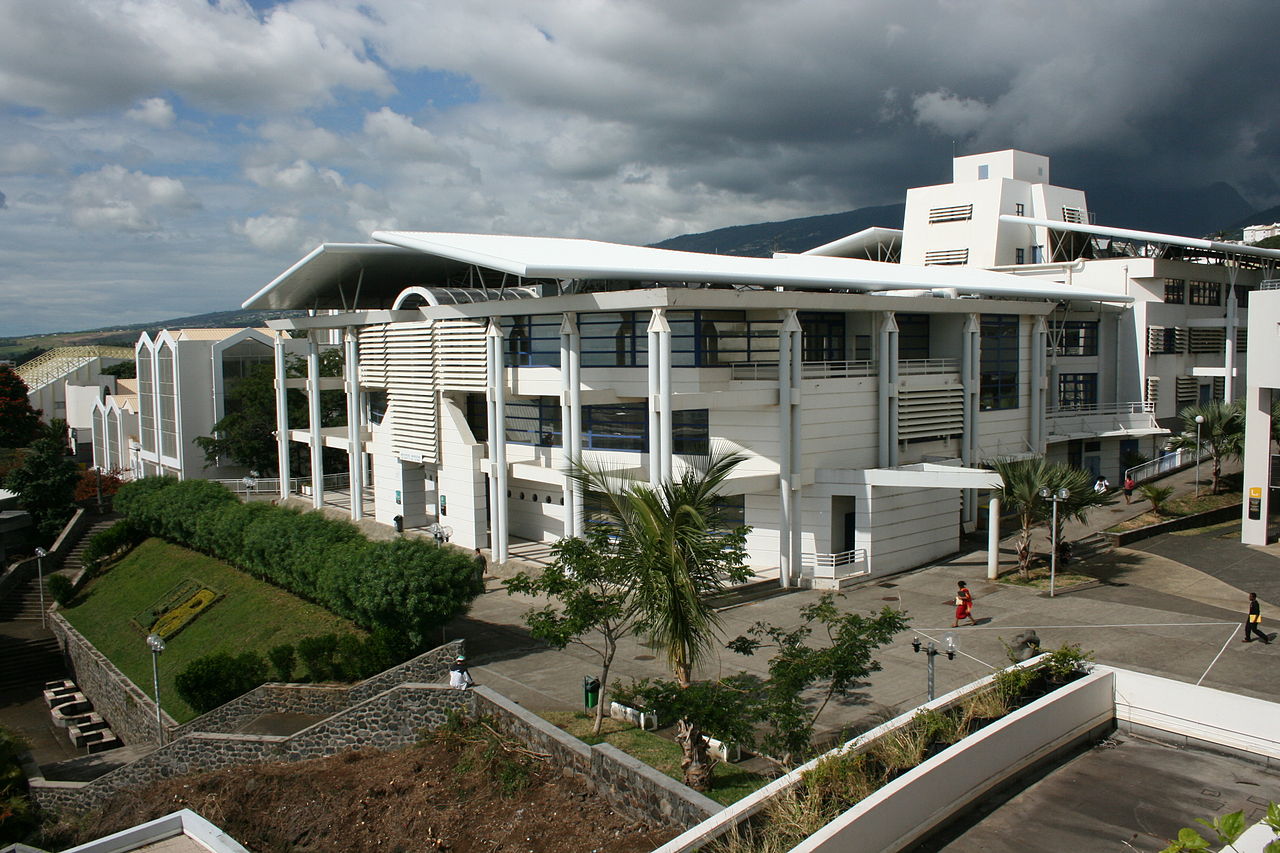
(250, 615)
(1177, 508)
(729, 782)
(1038, 578)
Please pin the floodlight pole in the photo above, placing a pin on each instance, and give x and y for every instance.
(931, 651)
(40, 555)
(1056, 498)
(156, 644)
(1199, 421)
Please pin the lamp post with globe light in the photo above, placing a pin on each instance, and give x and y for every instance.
(1199, 422)
(40, 555)
(156, 643)
(1056, 497)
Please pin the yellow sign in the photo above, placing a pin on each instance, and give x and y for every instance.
(1255, 492)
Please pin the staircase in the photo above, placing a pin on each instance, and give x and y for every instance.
(73, 562)
(30, 653)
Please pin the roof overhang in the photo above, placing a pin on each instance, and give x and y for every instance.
(1144, 236)
(344, 276)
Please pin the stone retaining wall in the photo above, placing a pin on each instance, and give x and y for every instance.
(632, 786)
(390, 720)
(427, 668)
(131, 713)
(319, 700)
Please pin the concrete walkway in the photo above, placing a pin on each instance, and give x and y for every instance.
(1171, 606)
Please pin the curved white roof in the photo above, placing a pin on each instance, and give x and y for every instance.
(1146, 236)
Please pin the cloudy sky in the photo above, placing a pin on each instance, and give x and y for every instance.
(168, 157)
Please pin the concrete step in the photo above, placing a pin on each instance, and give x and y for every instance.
(747, 593)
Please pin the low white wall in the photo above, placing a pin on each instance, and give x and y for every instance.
(1198, 716)
(913, 804)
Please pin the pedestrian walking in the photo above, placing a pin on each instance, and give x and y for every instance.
(964, 605)
(1253, 621)
(459, 677)
(1129, 485)
(481, 565)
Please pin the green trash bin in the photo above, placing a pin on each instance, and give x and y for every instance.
(590, 691)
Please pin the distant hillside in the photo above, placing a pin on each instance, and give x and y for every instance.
(1188, 212)
(790, 235)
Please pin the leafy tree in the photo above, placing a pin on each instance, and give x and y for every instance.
(588, 581)
(1023, 480)
(246, 433)
(19, 423)
(677, 549)
(46, 480)
(1221, 434)
(728, 709)
(122, 370)
(836, 664)
(218, 678)
(93, 484)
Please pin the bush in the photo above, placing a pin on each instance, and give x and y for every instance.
(107, 544)
(61, 588)
(283, 660)
(318, 656)
(406, 588)
(216, 679)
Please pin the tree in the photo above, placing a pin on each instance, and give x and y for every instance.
(1221, 434)
(1023, 480)
(246, 433)
(677, 549)
(837, 665)
(589, 583)
(46, 480)
(121, 370)
(19, 423)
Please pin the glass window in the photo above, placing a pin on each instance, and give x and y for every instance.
(533, 340)
(1077, 390)
(913, 335)
(1019, 256)
(477, 416)
(146, 400)
(1175, 291)
(614, 339)
(534, 421)
(689, 433)
(1077, 337)
(619, 426)
(1205, 293)
(823, 335)
(999, 367)
(167, 385)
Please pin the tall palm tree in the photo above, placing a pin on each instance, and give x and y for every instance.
(679, 550)
(1221, 434)
(1023, 480)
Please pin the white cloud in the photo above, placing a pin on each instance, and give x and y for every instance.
(26, 158)
(116, 199)
(273, 232)
(950, 113)
(156, 112)
(297, 177)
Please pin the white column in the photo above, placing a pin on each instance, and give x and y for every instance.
(787, 572)
(653, 372)
(888, 391)
(571, 420)
(993, 538)
(355, 452)
(1229, 356)
(313, 417)
(498, 443)
(282, 417)
(797, 371)
(660, 435)
(1039, 380)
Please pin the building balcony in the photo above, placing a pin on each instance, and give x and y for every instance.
(832, 571)
(1090, 421)
(768, 370)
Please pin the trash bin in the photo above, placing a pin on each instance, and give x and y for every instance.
(590, 691)
(398, 521)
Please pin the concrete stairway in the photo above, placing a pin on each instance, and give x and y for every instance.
(30, 653)
(73, 562)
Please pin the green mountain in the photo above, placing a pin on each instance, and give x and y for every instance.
(790, 235)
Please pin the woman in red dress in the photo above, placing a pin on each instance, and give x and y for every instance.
(964, 605)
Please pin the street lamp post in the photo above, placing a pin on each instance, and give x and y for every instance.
(1199, 421)
(949, 648)
(40, 555)
(156, 644)
(1056, 497)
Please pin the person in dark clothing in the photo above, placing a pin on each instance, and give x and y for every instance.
(1253, 622)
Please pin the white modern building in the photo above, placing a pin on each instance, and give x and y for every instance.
(1259, 399)
(48, 376)
(183, 379)
(864, 394)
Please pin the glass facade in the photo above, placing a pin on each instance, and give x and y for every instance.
(999, 367)
(1076, 337)
(146, 399)
(617, 426)
(167, 386)
(1077, 390)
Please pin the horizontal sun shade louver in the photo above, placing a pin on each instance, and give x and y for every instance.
(946, 257)
(931, 413)
(1207, 340)
(954, 213)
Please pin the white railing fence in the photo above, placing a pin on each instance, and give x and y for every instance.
(1161, 465)
(1138, 407)
(271, 485)
(834, 568)
(768, 370)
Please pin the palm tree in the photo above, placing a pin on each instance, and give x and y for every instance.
(1023, 480)
(679, 551)
(1221, 434)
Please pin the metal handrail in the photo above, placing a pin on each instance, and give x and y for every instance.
(1161, 465)
(761, 370)
(1138, 407)
(829, 566)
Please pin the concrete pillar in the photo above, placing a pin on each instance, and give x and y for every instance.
(788, 568)
(993, 539)
(498, 443)
(282, 416)
(1257, 464)
(1229, 356)
(888, 391)
(969, 379)
(1039, 348)
(660, 432)
(571, 420)
(313, 420)
(355, 452)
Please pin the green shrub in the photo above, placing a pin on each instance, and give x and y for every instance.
(216, 679)
(61, 588)
(107, 544)
(1066, 661)
(318, 656)
(283, 659)
(407, 588)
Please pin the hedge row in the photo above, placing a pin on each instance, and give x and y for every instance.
(405, 588)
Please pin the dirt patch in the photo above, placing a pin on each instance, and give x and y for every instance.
(452, 794)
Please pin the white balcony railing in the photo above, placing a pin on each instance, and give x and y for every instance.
(768, 370)
(271, 485)
(1135, 408)
(829, 570)
(1109, 417)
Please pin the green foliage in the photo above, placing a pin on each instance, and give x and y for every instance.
(1227, 830)
(45, 481)
(61, 588)
(588, 583)
(283, 659)
(319, 655)
(19, 423)
(836, 664)
(246, 434)
(216, 679)
(727, 709)
(106, 545)
(17, 815)
(408, 586)
(1221, 434)
(1158, 495)
(1066, 661)
(122, 370)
